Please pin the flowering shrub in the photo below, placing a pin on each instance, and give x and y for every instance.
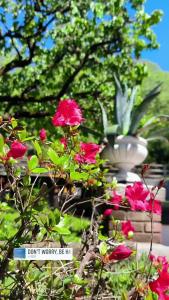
(137, 198)
(27, 218)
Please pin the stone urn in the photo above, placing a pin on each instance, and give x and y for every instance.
(127, 152)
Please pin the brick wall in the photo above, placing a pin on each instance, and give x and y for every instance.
(142, 224)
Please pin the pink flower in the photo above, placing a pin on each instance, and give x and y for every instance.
(17, 150)
(63, 141)
(108, 212)
(160, 262)
(154, 206)
(68, 113)
(161, 285)
(121, 252)
(152, 257)
(127, 228)
(87, 153)
(136, 195)
(116, 200)
(42, 134)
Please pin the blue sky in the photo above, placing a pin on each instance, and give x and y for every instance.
(160, 56)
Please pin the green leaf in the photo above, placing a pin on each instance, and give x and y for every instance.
(39, 170)
(54, 217)
(63, 161)
(37, 148)
(1, 143)
(22, 135)
(61, 227)
(124, 296)
(27, 180)
(62, 230)
(102, 237)
(104, 118)
(53, 156)
(78, 176)
(28, 138)
(67, 280)
(56, 213)
(77, 224)
(103, 248)
(78, 280)
(99, 8)
(141, 109)
(17, 172)
(33, 162)
(14, 123)
(151, 296)
(123, 106)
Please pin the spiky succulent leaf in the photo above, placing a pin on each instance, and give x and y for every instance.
(141, 109)
(151, 125)
(124, 106)
(120, 103)
(127, 114)
(157, 137)
(104, 118)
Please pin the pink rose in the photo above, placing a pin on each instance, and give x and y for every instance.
(42, 134)
(17, 150)
(161, 285)
(116, 200)
(121, 252)
(68, 113)
(107, 212)
(159, 261)
(136, 195)
(87, 153)
(154, 206)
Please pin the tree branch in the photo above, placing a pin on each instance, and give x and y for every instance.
(90, 255)
(19, 62)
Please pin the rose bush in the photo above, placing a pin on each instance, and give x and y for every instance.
(27, 218)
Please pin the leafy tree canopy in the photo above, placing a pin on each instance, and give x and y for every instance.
(158, 148)
(53, 49)
(155, 76)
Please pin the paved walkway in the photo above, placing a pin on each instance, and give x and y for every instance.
(158, 249)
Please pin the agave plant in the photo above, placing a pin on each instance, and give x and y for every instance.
(127, 115)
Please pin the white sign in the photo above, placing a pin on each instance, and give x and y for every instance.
(43, 253)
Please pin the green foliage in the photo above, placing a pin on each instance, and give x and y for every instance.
(128, 114)
(37, 148)
(158, 149)
(33, 163)
(125, 277)
(8, 217)
(140, 110)
(53, 49)
(123, 107)
(103, 248)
